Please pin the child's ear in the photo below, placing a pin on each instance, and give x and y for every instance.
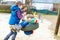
(24, 13)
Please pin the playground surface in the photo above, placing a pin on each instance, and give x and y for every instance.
(42, 33)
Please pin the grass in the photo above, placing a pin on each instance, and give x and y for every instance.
(5, 11)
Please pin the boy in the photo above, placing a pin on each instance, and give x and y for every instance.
(14, 19)
(31, 20)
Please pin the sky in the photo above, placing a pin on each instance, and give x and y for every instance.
(11, 0)
(49, 1)
(15, 0)
(42, 6)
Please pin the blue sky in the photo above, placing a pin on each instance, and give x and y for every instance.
(50, 1)
(9, 0)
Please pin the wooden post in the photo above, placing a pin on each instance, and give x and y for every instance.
(58, 22)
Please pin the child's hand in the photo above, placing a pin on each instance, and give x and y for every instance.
(29, 19)
(12, 28)
(24, 14)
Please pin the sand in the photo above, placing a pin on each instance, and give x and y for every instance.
(42, 33)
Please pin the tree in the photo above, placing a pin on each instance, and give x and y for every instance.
(1, 1)
(28, 3)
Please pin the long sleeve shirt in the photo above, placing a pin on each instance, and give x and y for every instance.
(19, 14)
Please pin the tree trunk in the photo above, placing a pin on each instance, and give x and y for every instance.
(28, 4)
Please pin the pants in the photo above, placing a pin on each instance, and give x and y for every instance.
(24, 23)
(13, 34)
(29, 32)
(20, 25)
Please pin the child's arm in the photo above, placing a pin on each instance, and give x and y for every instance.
(34, 20)
(19, 14)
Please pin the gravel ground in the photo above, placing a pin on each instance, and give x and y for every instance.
(42, 33)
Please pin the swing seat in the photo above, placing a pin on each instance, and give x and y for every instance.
(30, 26)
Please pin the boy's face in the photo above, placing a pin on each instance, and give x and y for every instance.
(20, 6)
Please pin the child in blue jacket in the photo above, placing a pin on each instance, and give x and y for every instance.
(14, 19)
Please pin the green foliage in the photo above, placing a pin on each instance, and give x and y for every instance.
(5, 8)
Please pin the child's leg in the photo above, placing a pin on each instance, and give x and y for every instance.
(20, 25)
(28, 32)
(8, 36)
(24, 23)
(14, 35)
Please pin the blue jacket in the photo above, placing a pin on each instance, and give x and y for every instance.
(14, 18)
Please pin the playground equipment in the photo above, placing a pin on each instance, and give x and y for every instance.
(30, 26)
(58, 22)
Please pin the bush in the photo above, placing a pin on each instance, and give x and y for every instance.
(5, 8)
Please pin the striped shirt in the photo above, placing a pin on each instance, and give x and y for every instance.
(19, 14)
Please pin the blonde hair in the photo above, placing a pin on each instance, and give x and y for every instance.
(19, 3)
(30, 16)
